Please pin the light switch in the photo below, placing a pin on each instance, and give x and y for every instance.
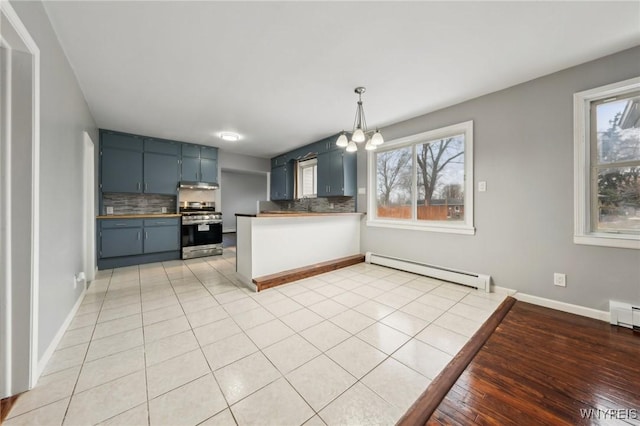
(109, 210)
(482, 186)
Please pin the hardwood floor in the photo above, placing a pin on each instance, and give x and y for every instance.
(543, 366)
(5, 406)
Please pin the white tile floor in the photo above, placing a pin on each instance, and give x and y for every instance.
(182, 343)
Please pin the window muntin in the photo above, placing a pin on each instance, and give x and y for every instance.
(420, 182)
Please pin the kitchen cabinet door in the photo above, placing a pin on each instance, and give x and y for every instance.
(116, 242)
(208, 170)
(189, 150)
(280, 187)
(161, 238)
(121, 170)
(336, 174)
(209, 152)
(325, 171)
(190, 169)
(161, 174)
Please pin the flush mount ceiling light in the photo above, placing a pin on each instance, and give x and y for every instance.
(230, 136)
(360, 132)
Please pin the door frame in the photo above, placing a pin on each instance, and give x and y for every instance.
(88, 196)
(10, 343)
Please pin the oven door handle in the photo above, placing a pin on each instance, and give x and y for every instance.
(203, 222)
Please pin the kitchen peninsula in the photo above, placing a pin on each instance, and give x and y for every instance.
(271, 243)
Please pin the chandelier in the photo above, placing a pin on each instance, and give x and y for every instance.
(360, 131)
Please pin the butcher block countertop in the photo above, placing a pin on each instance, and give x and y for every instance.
(137, 216)
(296, 214)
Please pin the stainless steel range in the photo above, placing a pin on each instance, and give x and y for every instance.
(201, 229)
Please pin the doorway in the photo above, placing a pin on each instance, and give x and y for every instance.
(88, 197)
(240, 193)
(19, 201)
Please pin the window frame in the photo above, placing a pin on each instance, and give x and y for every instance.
(304, 164)
(584, 147)
(465, 227)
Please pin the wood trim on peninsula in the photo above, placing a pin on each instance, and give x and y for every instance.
(273, 280)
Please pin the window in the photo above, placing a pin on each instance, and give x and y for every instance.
(424, 181)
(308, 178)
(607, 165)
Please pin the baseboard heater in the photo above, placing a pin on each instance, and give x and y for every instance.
(625, 315)
(470, 279)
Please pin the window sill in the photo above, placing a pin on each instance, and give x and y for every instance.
(606, 240)
(414, 226)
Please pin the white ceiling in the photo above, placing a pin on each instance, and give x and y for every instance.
(282, 74)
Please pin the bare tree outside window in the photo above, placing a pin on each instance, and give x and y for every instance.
(394, 183)
(424, 181)
(440, 179)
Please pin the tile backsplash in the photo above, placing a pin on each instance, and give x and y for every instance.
(138, 203)
(197, 195)
(321, 205)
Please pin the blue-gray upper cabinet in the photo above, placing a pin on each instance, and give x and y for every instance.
(282, 182)
(199, 163)
(161, 235)
(328, 144)
(279, 161)
(161, 167)
(121, 162)
(336, 174)
(120, 237)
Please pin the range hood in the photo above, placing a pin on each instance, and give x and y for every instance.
(198, 185)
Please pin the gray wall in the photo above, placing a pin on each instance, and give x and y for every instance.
(229, 161)
(523, 147)
(238, 162)
(240, 193)
(64, 115)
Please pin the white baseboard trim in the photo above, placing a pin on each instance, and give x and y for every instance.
(563, 306)
(42, 363)
(228, 230)
(498, 289)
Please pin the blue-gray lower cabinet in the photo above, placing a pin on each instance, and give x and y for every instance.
(126, 242)
(120, 238)
(161, 235)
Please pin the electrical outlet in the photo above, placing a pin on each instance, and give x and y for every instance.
(362, 191)
(331, 206)
(164, 210)
(482, 186)
(559, 279)
(109, 210)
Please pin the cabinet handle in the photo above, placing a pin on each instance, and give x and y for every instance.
(138, 186)
(145, 186)
(146, 235)
(138, 235)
